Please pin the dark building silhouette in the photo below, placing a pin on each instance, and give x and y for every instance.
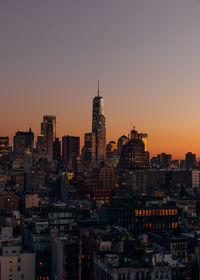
(22, 142)
(99, 126)
(144, 138)
(70, 148)
(139, 216)
(49, 131)
(40, 144)
(57, 149)
(4, 146)
(162, 161)
(190, 160)
(133, 155)
(123, 140)
(89, 149)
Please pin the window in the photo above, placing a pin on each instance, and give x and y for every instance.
(10, 268)
(166, 275)
(19, 260)
(128, 276)
(22, 276)
(119, 276)
(10, 260)
(18, 268)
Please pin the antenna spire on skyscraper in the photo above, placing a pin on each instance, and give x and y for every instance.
(98, 91)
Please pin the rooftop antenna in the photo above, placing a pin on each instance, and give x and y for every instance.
(98, 91)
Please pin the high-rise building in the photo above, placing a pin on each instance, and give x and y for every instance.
(70, 148)
(23, 141)
(4, 146)
(89, 147)
(133, 155)
(190, 161)
(49, 131)
(99, 127)
(123, 140)
(56, 149)
(143, 137)
(40, 144)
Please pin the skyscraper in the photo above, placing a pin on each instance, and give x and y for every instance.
(49, 131)
(190, 161)
(89, 149)
(22, 142)
(98, 126)
(4, 146)
(143, 137)
(70, 148)
(133, 154)
(56, 149)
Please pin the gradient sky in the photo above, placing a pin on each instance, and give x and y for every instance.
(146, 54)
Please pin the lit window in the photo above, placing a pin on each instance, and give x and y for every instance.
(10, 268)
(147, 212)
(10, 260)
(136, 212)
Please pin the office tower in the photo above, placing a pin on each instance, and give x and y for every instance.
(98, 126)
(23, 141)
(4, 146)
(143, 137)
(133, 155)
(123, 140)
(111, 149)
(49, 131)
(70, 148)
(190, 160)
(56, 149)
(89, 148)
(107, 177)
(40, 144)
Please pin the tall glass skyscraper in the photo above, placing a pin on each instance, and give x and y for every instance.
(99, 126)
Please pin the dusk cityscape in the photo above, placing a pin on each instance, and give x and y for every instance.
(99, 140)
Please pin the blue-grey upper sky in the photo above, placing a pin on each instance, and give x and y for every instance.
(145, 53)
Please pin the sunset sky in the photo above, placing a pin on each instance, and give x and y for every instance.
(146, 54)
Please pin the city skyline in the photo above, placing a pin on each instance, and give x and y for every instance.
(146, 55)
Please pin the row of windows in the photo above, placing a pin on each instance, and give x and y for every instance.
(11, 259)
(11, 268)
(42, 278)
(11, 277)
(156, 212)
(124, 276)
